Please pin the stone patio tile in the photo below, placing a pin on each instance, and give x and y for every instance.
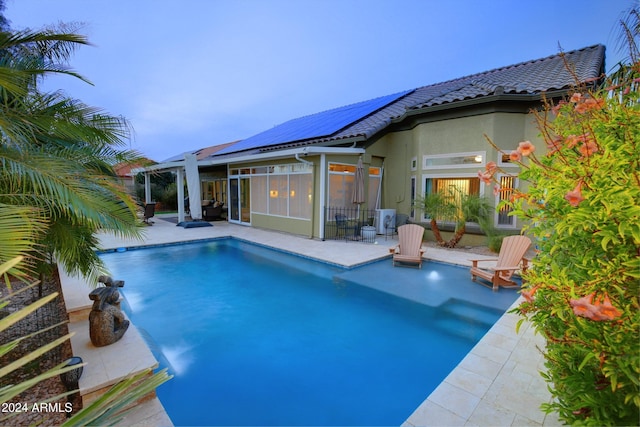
(487, 414)
(504, 342)
(455, 399)
(430, 414)
(515, 399)
(480, 365)
(469, 381)
(489, 351)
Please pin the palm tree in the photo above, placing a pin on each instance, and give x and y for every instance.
(57, 189)
(459, 208)
(58, 155)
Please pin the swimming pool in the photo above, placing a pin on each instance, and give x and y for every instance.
(260, 337)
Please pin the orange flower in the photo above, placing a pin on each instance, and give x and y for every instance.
(515, 156)
(583, 306)
(526, 148)
(554, 144)
(573, 140)
(593, 103)
(602, 309)
(491, 167)
(496, 190)
(606, 310)
(575, 98)
(589, 104)
(485, 177)
(588, 148)
(529, 294)
(574, 197)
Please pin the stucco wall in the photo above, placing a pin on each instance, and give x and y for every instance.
(454, 135)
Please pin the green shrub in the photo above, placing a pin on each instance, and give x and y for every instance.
(494, 242)
(582, 293)
(169, 197)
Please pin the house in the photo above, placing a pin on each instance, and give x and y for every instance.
(422, 140)
(126, 173)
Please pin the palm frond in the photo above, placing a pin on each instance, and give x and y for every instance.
(112, 406)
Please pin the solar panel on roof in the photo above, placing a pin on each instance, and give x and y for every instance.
(316, 125)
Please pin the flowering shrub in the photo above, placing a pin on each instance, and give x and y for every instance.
(582, 206)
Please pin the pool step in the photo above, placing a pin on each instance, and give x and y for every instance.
(466, 320)
(468, 310)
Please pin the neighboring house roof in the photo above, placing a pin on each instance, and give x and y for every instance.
(202, 153)
(367, 118)
(124, 170)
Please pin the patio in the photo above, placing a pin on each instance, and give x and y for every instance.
(496, 384)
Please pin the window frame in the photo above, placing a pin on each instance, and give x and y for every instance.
(498, 197)
(475, 164)
(464, 175)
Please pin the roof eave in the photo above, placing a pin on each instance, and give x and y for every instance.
(523, 98)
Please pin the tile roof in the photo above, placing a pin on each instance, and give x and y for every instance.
(125, 169)
(526, 78)
(202, 153)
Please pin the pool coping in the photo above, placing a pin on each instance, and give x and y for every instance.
(497, 383)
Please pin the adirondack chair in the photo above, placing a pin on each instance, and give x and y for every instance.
(409, 249)
(510, 259)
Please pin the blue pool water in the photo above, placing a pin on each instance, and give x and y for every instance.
(260, 337)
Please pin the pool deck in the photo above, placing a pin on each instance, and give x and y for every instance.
(496, 384)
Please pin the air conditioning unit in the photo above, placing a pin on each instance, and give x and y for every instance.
(384, 216)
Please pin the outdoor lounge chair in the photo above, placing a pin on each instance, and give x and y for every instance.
(213, 212)
(149, 212)
(409, 249)
(510, 259)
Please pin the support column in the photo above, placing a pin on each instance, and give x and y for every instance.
(180, 188)
(147, 188)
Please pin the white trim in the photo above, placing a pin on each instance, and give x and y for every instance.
(180, 190)
(323, 196)
(426, 157)
(413, 181)
(280, 154)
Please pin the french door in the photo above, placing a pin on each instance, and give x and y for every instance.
(240, 199)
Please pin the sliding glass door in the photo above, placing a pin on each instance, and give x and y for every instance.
(240, 199)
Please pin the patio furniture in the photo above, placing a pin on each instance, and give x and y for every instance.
(409, 249)
(345, 228)
(149, 212)
(510, 259)
(212, 212)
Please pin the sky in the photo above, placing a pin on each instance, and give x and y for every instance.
(190, 74)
